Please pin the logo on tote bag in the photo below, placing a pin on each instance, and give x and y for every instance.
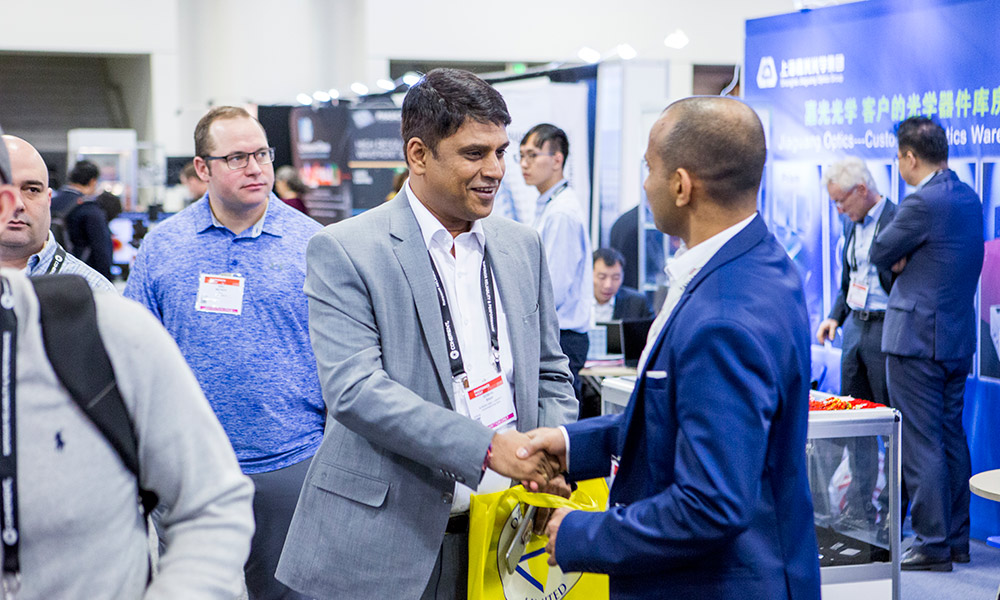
(533, 579)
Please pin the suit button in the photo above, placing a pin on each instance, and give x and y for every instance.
(460, 479)
(447, 497)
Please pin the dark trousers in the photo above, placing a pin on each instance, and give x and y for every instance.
(274, 499)
(450, 577)
(862, 375)
(936, 466)
(575, 346)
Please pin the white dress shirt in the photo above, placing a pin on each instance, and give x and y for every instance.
(681, 269)
(603, 313)
(859, 263)
(460, 275)
(560, 223)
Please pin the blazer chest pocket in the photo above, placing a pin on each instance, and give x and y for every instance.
(353, 486)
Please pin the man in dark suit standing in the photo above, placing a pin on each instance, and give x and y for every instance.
(935, 243)
(612, 300)
(860, 309)
(710, 498)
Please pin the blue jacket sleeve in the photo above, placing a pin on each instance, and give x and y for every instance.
(907, 231)
(720, 400)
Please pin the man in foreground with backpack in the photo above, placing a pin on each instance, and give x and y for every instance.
(70, 477)
(26, 243)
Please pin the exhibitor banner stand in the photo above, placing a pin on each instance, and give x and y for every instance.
(834, 82)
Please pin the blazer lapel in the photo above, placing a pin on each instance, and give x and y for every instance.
(742, 242)
(508, 276)
(414, 260)
(749, 237)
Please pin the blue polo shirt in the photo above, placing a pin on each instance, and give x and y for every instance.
(257, 368)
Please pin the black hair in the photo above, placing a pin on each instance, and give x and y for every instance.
(924, 137)
(546, 132)
(110, 204)
(721, 142)
(438, 105)
(83, 172)
(609, 256)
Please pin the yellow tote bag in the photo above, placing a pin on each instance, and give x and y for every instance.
(492, 523)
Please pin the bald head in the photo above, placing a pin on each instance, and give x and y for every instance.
(28, 228)
(24, 155)
(8, 194)
(720, 142)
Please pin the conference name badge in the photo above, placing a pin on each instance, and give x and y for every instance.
(491, 402)
(857, 295)
(221, 294)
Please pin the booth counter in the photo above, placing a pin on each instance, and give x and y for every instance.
(856, 561)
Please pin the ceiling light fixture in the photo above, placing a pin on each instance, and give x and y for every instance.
(626, 52)
(676, 40)
(589, 55)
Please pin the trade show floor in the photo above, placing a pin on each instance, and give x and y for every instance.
(977, 580)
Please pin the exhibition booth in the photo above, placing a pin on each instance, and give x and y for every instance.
(832, 83)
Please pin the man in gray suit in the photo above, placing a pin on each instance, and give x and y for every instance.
(437, 343)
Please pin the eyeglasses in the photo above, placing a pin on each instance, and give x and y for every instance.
(530, 156)
(240, 160)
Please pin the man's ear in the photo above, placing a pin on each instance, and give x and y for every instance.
(559, 159)
(417, 154)
(908, 158)
(201, 168)
(8, 200)
(683, 185)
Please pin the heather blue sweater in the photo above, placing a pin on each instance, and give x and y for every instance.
(257, 369)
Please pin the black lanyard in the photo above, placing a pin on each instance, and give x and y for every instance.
(555, 193)
(852, 260)
(57, 261)
(488, 290)
(8, 444)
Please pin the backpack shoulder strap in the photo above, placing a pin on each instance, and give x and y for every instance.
(77, 354)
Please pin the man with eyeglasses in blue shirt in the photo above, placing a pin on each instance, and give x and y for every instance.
(225, 277)
(559, 220)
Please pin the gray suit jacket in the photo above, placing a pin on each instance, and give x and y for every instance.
(372, 512)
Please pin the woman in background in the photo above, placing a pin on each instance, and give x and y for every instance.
(290, 187)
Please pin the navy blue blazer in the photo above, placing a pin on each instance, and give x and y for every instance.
(840, 309)
(939, 230)
(711, 499)
(631, 305)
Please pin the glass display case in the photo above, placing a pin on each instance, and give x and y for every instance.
(859, 549)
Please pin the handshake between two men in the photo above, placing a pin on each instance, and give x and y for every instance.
(538, 459)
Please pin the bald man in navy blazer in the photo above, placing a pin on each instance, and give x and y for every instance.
(711, 498)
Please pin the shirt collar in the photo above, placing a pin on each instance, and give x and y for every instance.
(431, 228)
(685, 264)
(275, 225)
(926, 180)
(46, 253)
(549, 193)
(873, 214)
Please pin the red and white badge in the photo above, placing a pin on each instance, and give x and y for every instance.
(491, 402)
(857, 294)
(220, 294)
